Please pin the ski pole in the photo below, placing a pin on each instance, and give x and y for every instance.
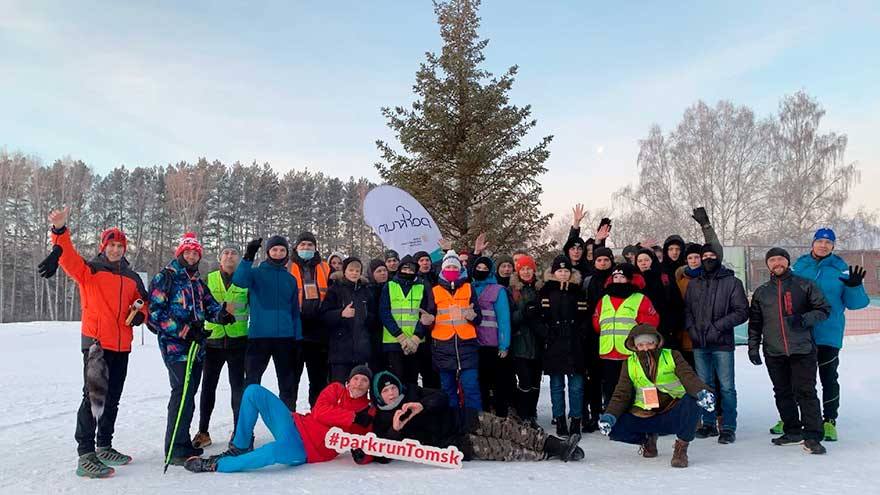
(190, 357)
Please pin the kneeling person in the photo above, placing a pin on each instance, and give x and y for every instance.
(423, 414)
(663, 395)
(299, 438)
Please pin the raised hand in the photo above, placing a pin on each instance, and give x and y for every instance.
(250, 252)
(577, 215)
(856, 276)
(481, 244)
(58, 218)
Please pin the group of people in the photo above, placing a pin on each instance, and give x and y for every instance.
(449, 348)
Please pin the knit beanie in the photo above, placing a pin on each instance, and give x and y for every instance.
(188, 242)
(451, 259)
(603, 251)
(113, 234)
(306, 236)
(361, 369)
(777, 251)
(560, 262)
(524, 261)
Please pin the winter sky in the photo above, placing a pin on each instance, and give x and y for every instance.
(300, 84)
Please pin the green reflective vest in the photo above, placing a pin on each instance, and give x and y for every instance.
(404, 309)
(233, 296)
(614, 325)
(666, 382)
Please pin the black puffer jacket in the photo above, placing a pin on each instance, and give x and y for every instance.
(349, 338)
(715, 303)
(783, 313)
(666, 298)
(525, 316)
(565, 322)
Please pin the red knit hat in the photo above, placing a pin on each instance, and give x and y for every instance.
(526, 260)
(112, 234)
(189, 241)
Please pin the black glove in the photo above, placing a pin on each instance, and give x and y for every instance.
(856, 275)
(196, 332)
(49, 266)
(701, 216)
(225, 317)
(138, 319)
(250, 251)
(755, 356)
(363, 417)
(359, 456)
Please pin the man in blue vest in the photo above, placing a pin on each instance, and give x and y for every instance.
(658, 392)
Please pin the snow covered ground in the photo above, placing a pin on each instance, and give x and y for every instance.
(41, 376)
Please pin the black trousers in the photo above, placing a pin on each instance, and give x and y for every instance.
(177, 378)
(86, 426)
(528, 387)
(610, 376)
(593, 405)
(408, 368)
(284, 353)
(215, 358)
(794, 386)
(496, 381)
(314, 357)
(829, 359)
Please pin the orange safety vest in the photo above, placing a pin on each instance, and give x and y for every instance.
(322, 273)
(445, 327)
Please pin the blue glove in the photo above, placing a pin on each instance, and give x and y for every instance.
(706, 400)
(606, 422)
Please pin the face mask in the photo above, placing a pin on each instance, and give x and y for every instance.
(481, 275)
(710, 265)
(406, 276)
(449, 275)
(305, 254)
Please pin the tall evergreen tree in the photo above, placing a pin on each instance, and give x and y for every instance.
(462, 156)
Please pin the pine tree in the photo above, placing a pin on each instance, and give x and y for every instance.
(462, 156)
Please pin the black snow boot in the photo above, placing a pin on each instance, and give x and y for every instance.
(200, 464)
(788, 439)
(561, 426)
(575, 426)
(814, 447)
(707, 431)
(562, 448)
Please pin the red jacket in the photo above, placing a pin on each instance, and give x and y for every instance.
(106, 293)
(647, 314)
(334, 407)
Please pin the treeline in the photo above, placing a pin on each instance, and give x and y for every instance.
(222, 203)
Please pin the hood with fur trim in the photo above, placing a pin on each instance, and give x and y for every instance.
(642, 329)
(575, 279)
(517, 284)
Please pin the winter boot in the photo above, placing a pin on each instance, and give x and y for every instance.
(777, 429)
(575, 426)
(726, 437)
(649, 446)
(830, 430)
(680, 454)
(200, 465)
(707, 431)
(788, 439)
(111, 457)
(201, 440)
(561, 426)
(814, 447)
(591, 425)
(89, 466)
(577, 455)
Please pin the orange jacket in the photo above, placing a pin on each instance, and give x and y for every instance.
(106, 294)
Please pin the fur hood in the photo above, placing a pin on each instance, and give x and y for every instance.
(575, 279)
(517, 284)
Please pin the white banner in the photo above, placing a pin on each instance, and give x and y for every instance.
(404, 450)
(400, 221)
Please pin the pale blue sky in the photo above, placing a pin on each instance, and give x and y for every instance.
(300, 84)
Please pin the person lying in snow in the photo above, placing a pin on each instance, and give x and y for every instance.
(299, 438)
